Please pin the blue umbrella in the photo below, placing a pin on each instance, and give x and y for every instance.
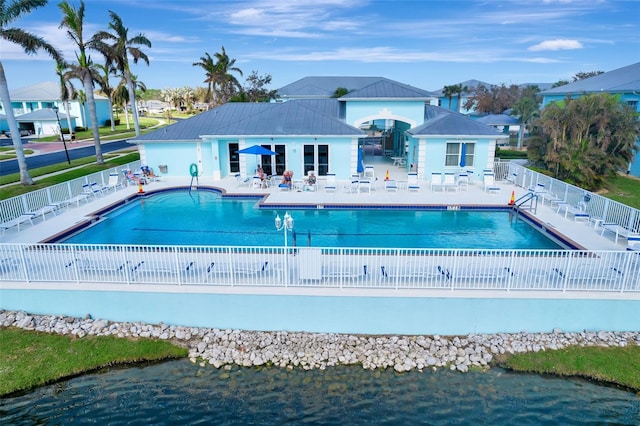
(257, 150)
(360, 166)
(463, 155)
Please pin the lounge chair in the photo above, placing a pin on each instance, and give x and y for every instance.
(235, 268)
(616, 229)
(576, 211)
(364, 185)
(450, 182)
(23, 218)
(342, 271)
(114, 182)
(463, 181)
(91, 190)
(479, 272)
(589, 272)
(369, 173)
(391, 186)
(412, 182)
(414, 271)
(330, 185)
(78, 199)
(43, 211)
(105, 268)
(436, 181)
(242, 181)
(512, 178)
(489, 185)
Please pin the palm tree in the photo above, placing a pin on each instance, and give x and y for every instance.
(459, 90)
(448, 91)
(106, 71)
(225, 81)
(209, 67)
(121, 94)
(67, 92)
(84, 68)
(119, 52)
(31, 44)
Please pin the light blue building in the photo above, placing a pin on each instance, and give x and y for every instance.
(311, 130)
(623, 82)
(32, 107)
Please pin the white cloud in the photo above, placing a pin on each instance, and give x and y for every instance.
(557, 44)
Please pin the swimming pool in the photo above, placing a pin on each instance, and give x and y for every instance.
(206, 218)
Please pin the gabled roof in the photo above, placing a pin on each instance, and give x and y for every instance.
(498, 120)
(255, 119)
(45, 114)
(387, 89)
(324, 86)
(625, 79)
(45, 91)
(440, 121)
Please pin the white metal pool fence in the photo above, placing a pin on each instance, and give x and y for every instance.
(452, 269)
(60, 195)
(555, 192)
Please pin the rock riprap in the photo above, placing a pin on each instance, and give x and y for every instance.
(321, 350)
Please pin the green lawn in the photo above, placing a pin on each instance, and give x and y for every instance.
(617, 365)
(29, 359)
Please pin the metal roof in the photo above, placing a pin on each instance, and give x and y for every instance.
(256, 119)
(42, 114)
(472, 85)
(625, 79)
(44, 91)
(498, 120)
(440, 121)
(324, 86)
(387, 89)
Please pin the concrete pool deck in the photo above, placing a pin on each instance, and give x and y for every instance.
(580, 232)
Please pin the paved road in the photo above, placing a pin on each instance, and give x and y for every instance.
(52, 153)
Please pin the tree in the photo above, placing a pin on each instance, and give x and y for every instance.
(494, 100)
(209, 67)
(30, 43)
(106, 71)
(255, 89)
(67, 92)
(119, 52)
(448, 92)
(121, 94)
(526, 109)
(225, 84)
(340, 92)
(459, 89)
(586, 140)
(83, 69)
(582, 75)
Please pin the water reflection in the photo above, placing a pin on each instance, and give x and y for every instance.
(185, 393)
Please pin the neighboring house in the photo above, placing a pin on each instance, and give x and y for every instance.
(322, 133)
(623, 82)
(458, 104)
(44, 96)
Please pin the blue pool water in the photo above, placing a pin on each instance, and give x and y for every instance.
(205, 218)
(179, 392)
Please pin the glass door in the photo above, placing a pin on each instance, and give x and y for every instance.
(234, 158)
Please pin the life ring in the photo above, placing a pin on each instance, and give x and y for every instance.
(193, 170)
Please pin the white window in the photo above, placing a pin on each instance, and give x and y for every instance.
(456, 151)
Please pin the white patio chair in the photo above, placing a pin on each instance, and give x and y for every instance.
(450, 182)
(436, 181)
(412, 182)
(330, 185)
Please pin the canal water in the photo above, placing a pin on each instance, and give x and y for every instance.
(180, 392)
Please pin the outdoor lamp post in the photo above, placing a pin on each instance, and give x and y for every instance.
(55, 109)
(285, 225)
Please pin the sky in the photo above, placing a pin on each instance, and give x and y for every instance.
(427, 44)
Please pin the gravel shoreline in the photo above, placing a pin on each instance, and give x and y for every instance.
(221, 348)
